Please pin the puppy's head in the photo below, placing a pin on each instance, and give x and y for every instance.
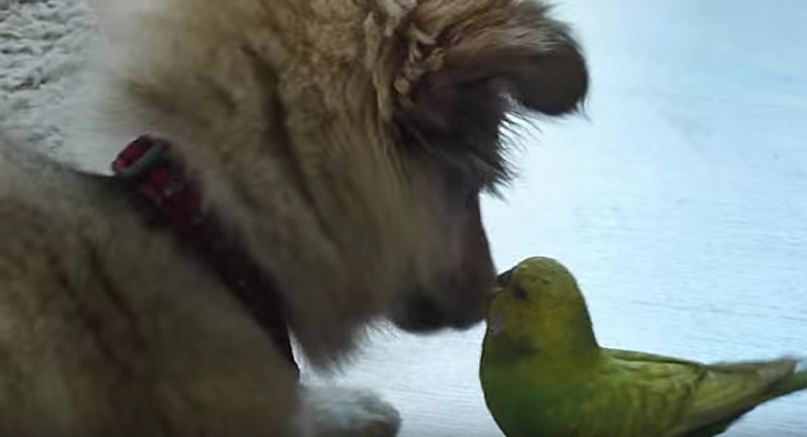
(473, 65)
(348, 142)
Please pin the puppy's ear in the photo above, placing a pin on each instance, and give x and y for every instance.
(485, 58)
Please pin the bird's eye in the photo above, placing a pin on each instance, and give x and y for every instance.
(519, 294)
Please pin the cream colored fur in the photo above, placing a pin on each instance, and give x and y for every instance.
(289, 113)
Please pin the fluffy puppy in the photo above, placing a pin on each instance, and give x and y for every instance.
(344, 142)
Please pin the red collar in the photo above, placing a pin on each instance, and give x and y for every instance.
(148, 168)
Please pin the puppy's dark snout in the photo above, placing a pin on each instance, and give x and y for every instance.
(503, 280)
(423, 315)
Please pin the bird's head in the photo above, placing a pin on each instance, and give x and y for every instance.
(540, 304)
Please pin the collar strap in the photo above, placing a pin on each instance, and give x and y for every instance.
(149, 169)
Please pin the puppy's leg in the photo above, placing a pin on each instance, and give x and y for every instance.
(342, 412)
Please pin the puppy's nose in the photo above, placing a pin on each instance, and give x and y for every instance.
(503, 280)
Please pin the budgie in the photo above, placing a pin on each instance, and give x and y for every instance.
(544, 374)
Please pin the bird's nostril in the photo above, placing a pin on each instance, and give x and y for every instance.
(503, 280)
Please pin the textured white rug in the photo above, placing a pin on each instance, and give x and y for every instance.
(43, 47)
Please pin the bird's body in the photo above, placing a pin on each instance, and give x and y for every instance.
(544, 374)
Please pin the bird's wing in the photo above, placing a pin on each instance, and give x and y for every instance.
(654, 390)
(710, 397)
(731, 390)
(629, 356)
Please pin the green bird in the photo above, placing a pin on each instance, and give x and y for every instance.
(544, 374)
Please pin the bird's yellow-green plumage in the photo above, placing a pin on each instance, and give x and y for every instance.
(544, 375)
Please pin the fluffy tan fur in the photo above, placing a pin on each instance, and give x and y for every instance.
(333, 136)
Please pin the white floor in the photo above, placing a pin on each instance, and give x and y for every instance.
(681, 204)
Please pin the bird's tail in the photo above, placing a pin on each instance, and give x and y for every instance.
(796, 381)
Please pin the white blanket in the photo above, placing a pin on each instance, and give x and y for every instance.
(43, 47)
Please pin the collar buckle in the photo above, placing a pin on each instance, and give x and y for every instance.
(138, 158)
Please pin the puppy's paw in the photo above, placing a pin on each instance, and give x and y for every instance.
(342, 412)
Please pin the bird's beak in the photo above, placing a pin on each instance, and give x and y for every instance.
(490, 297)
(496, 324)
(495, 321)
